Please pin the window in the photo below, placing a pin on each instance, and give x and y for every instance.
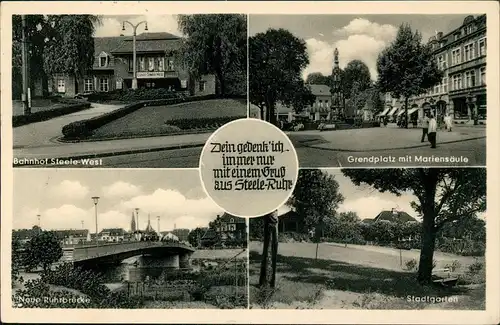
(232, 227)
(455, 82)
(483, 76)
(61, 86)
(151, 64)
(88, 85)
(103, 60)
(482, 46)
(320, 103)
(326, 103)
(161, 64)
(103, 84)
(469, 52)
(202, 85)
(445, 85)
(170, 65)
(184, 83)
(142, 64)
(470, 29)
(457, 36)
(455, 56)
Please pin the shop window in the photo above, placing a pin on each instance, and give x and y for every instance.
(170, 65)
(161, 64)
(142, 64)
(151, 64)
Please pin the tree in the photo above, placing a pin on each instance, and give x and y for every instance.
(355, 72)
(267, 278)
(194, 236)
(376, 98)
(317, 78)
(216, 44)
(17, 260)
(69, 46)
(277, 59)
(315, 199)
(407, 67)
(43, 249)
(443, 195)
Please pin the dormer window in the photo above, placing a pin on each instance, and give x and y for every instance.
(103, 60)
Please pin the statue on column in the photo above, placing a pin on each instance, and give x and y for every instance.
(337, 108)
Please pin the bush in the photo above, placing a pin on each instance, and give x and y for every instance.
(48, 114)
(411, 265)
(454, 266)
(130, 95)
(83, 129)
(293, 237)
(202, 123)
(475, 267)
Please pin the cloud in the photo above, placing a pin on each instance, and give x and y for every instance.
(121, 189)
(112, 26)
(359, 40)
(70, 189)
(370, 207)
(66, 216)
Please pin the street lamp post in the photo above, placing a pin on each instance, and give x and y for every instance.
(134, 55)
(38, 218)
(96, 200)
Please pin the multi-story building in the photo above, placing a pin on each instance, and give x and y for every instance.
(226, 230)
(112, 235)
(320, 109)
(461, 55)
(159, 64)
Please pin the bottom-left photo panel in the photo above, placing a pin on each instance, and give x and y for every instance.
(124, 239)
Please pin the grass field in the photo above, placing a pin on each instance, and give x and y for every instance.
(216, 254)
(356, 278)
(153, 120)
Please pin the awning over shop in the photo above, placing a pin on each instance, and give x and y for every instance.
(401, 111)
(384, 112)
(392, 111)
(411, 111)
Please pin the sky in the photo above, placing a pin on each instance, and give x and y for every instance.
(63, 199)
(356, 37)
(112, 25)
(366, 201)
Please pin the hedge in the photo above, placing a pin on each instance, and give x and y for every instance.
(46, 115)
(83, 129)
(202, 123)
(130, 95)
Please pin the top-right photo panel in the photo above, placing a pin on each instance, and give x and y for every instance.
(373, 90)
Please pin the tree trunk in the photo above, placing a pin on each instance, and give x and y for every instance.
(262, 117)
(406, 112)
(428, 228)
(268, 264)
(272, 115)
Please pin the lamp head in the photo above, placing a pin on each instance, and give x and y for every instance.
(95, 199)
(146, 27)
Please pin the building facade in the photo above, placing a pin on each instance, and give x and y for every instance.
(461, 55)
(159, 64)
(112, 235)
(319, 110)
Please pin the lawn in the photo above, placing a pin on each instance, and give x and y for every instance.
(153, 120)
(218, 254)
(355, 278)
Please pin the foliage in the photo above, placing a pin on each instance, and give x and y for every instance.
(20, 120)
(411, 265)
(69, 46)
(277, 59)
(315, 198)
(476, 267)
(133, 95)
(256, 228)
(356, 75)
(204, 123)
(43, 250)
(17, 261)
(195, 235)
(443, 195)
(454, 266)
(216, 43)
(317, 78)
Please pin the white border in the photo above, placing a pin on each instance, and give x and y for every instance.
(490, 316)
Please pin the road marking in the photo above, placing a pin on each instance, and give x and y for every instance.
(338, 162)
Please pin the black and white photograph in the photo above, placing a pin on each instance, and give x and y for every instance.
(129, 239)
(399, 239)
(373, 90)
(124, 91)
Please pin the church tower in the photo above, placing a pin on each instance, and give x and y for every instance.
(133, 226)
(338, 102)
(149, 228)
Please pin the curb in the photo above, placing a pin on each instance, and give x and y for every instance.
(120, 153)
(385, 149)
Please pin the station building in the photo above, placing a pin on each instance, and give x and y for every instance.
(461, 55)
(159, 62)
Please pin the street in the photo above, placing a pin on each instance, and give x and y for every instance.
(473, 150)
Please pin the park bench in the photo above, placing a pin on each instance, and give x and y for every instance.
(444, 277)
(324, 127)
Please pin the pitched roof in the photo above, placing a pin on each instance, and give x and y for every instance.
(320, 90)
(150, 42)
(65, 233)
(156, 36)
(114, 231)
(396, 216)
(226, 217)
(107, 44)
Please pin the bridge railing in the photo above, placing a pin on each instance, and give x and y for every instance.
(88, 252)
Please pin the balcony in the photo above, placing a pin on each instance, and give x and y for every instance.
(467, 65)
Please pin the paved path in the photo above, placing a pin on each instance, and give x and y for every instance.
(382, 138)
(41, 134)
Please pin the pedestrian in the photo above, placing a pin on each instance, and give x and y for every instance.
(431, 135)
(448, 122)
(425, 127)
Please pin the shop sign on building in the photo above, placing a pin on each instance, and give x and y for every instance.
(153, 74)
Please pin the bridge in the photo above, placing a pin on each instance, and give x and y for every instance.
(172, 254)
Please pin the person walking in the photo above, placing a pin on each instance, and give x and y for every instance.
(431, 132)
(448, 122)
(425, 127)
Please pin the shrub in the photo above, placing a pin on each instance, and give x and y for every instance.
(202, 123)
(411, 265)
(130, 95)
(475, 267)
(454, 266)
(39, 116)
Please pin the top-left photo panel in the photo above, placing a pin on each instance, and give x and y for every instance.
(124, 91)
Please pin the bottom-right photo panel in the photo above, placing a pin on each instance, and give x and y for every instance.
(410, 238)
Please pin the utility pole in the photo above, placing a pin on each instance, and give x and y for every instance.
(158, 219)
(26, 96)
(38, 217)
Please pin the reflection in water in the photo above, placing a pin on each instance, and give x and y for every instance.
(135, 269)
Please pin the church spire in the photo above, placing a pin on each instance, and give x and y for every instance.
(336, 58)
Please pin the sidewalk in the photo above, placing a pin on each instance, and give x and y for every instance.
(371, 139)
(112, 147)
